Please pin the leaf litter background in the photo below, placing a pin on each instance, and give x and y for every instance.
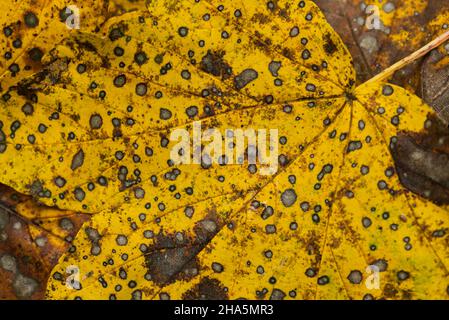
(190, 250)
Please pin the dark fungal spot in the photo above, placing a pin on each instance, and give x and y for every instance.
(217, 267)
(102, 181)
(387, 90)
(169, 261)
(267, 212)
(274, 67)
(139, 193)
(119, 81)
(71, 136)
(95, 121)
(277, 294)
(294, 31)
(329, 45)
(81, 68)
(119, 51)
(17, 43)
(148, 151)
(403, 275)
(355, 277)
(28, 109)
(31, 138)
(354, 146)
(381, 264)
(438, 233)
(382, 185)
(36, 189)
(159, 58)
(14, 68)
(271, 5)
(287, 108)
(310, 272)
(185, 74)
(288, 197)
(323, 280)
(268, 99)
(169, 266)
(141, 89)
(188, 211)
(90, 186)
(260, 270)
(305, 54)
(292, 179)
(366, 222)
(119, 155)
(140, 58)
(164, 296)
(206, 289)
(116, 33)
(31, 20)
(183, 31)
(94, 238)
(15, 126)
(268, 254)
(213, 63)
(2, 138)
(165, 114)
(60, 181)
(7, 31)
(42, 128)
(244, 78)
(270, 229)
(35, 54)
(79, 194)
(77, 160)
(65, 13)
(390, 291)
(192, 111)
(310, 87)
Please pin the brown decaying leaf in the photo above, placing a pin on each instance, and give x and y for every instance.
(405, 28)
(32, 238)
(435, 83)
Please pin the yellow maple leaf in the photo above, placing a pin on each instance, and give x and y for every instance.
(332, 221)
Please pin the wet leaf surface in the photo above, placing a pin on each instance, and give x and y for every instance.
(91, 132)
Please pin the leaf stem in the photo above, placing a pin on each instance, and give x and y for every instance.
(387, 73)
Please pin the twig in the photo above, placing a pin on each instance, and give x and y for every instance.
(387, 73)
